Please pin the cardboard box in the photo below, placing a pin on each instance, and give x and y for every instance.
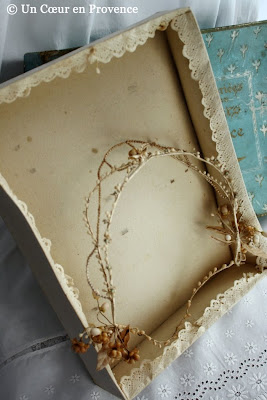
(155, 84)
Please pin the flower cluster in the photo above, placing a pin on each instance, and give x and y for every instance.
(78, 346)
(112, 345)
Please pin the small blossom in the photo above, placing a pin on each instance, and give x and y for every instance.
(237, 393)
(50, 390)
(247, 301)
(209, 343)
(74, 378)
(258, 381)
(164, 391)
(187, 380)
(230, 359)
(95, 395)
(229, 333)
(251, 347)
(188, 353)
(141, 398)
(209, 369)
(249, 323)
(23, 397)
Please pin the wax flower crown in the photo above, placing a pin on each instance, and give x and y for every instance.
(110, 338)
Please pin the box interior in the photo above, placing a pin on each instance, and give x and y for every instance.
(51, 144)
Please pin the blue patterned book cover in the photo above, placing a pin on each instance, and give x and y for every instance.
(238, 58)
(239, 61)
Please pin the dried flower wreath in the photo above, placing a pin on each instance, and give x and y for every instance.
(111, 339)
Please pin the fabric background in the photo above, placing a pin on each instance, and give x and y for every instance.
(36, 363)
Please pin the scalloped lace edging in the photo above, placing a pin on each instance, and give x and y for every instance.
(140, 377)
(65, 281)
(102, 52)
(201, 71)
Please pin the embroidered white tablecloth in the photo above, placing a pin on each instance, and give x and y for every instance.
(36, 362)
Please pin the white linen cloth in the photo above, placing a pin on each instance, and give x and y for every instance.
(36, 362)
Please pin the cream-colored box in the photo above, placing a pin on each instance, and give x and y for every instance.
(155, 84)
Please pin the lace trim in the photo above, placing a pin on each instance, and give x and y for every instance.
(65, 281)
(193, 50)
(103, 51)
(140, 377)
(185, 25)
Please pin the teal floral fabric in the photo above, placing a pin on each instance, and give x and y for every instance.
(239, 61)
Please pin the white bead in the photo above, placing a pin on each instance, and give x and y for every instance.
(224, 210)
(228, 238)
(104, 307)
(95, 332)
(256, 238)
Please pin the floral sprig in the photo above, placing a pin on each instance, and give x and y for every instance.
(111, 339)
(111, 343)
